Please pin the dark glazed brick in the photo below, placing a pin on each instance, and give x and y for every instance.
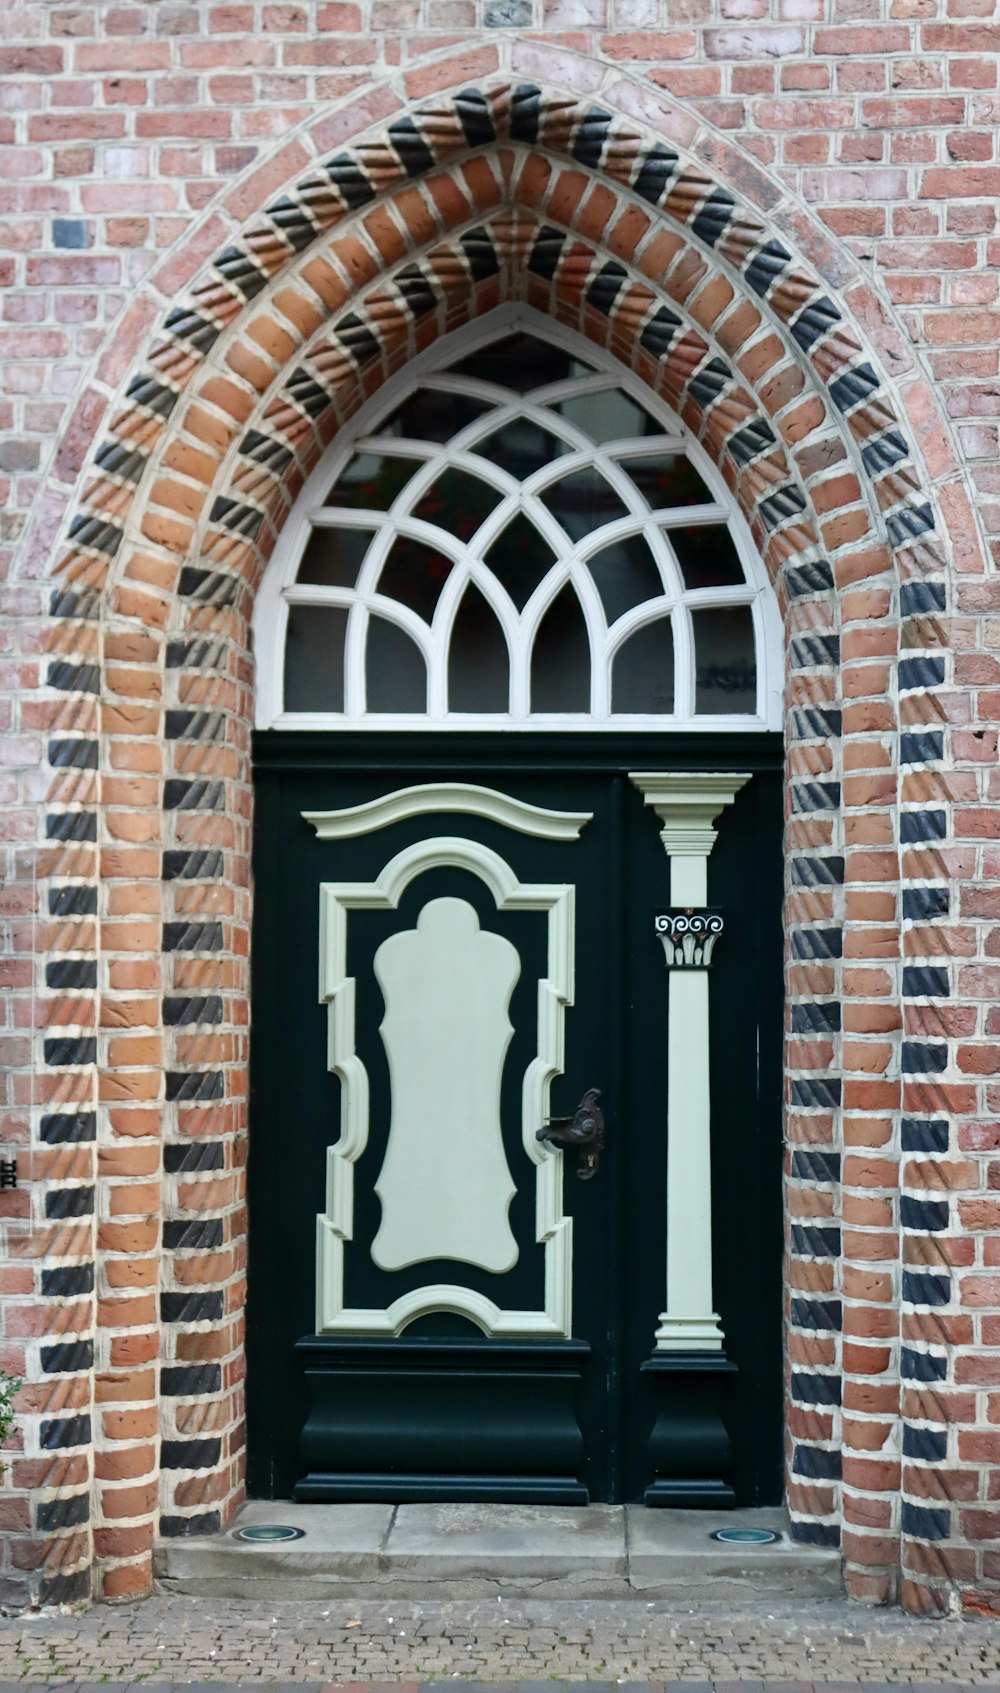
(293, 221)
(68, 1357)
(413, 152)
(207, 1522)
(59, 1432)
(190, 1380)
(71, 826)
(921, 904)
(917, 598)
(182, 1235)
(191, 1307)
(66, 1050)
(350, 181)
(546, 252)
(925, 1215)
(811, 1241)
(591, 134)
(187, 325)
(481, 254)
(708, 382)
(183, 865)
(69, 1126)
(815, 1389)
(713, 217)
(194, 1155)
(925, 981)
(816, 1093)
(239, 269)
(924, 1134)
(854, 387)
(606, 287)
(753, 438)
(927, 1445)
(192, 937)
(656, 173)
(179, 1009)
(77, 754)
(69, 1589)
(924, 1058)
(78, 973)
(525, 108)
(190, 1454)
(766, 266)
(416, 291)
(195, 1084)
(61, 1202)
(818, 872)
(922, 1366)
(67, 1281)
(922, 826)
(812, 1164)
(920, 672)
(814, 321)
(73, 678)
(821, 1314)
(54, 1514)
(921, 749)
(472, 108)
(73, 899)
(817, 1463)
(816, 1018)
(926, 1290)
(925, 1524)
(818, 943)
(660, 332)
(813, 1534)
(181, 795)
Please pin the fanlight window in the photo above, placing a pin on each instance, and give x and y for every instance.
(516, 536)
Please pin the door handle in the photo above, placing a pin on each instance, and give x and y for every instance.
(584, 1130)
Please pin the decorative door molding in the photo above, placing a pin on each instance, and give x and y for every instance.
(464, 798)
(337, 991)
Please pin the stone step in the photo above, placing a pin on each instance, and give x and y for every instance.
(477, 1551)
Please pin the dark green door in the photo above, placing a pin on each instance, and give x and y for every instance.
(453, 940)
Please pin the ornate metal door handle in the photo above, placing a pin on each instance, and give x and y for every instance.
(584, 1130)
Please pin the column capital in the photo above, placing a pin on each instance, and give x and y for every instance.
(687, 803)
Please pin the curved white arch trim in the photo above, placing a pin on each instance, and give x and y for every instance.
(335, 1226)
(279, 588)
(466, 798)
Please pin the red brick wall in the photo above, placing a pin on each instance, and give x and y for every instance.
(847, 158)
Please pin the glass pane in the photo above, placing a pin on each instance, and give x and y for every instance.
(372, 481)
(667, 479)
(608, 415)
(560, 662)
(430, 416)
(458, 503)
(583, 502)
(626, 575)
(414, 575)
(521, 362)
(478, 665)
(707, 556)
(314, 658)
(642, 678)
(521, 447)
(725, 666)
(519, 559)
(395, 674)
(334, 556)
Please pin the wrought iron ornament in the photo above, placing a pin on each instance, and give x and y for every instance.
(584, 1130)
(689, 935)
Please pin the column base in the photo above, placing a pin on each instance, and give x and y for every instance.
(689, 1334)
(689, 1448)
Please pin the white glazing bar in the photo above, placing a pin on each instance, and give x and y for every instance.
(687, 805)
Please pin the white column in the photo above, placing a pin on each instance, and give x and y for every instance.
(687, 805)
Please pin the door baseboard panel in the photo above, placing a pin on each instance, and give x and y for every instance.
(434, 1490)
(442, 1420)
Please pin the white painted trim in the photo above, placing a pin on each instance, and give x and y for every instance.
(687, 804)
(461, 797)
(279, 588)
(554, 1230)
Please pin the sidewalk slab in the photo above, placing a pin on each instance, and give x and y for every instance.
(671, 1553)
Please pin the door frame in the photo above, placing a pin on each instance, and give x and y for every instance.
(400, 758)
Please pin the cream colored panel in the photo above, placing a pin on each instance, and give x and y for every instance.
(445, 1185)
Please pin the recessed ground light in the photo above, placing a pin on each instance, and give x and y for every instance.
(745, 1536)
(268, 1533)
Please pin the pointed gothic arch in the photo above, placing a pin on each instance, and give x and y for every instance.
(500, 192)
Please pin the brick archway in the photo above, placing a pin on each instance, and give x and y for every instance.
(499, 192)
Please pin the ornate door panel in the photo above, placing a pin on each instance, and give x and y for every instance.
(450, 950)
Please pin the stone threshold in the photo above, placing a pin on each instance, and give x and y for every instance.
(480, 1551)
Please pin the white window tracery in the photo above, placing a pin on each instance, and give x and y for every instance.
(512, 533)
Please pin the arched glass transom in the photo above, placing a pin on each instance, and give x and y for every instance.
(514, 533)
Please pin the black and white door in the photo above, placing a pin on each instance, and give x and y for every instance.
(497, 1119)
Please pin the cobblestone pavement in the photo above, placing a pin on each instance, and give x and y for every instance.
(184, 1640)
